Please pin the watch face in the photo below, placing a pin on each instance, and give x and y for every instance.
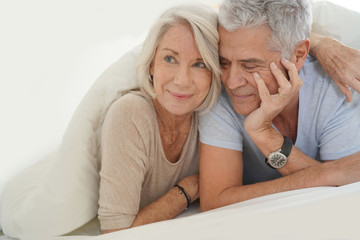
(277, 160)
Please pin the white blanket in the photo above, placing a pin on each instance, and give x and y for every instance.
(59, 194)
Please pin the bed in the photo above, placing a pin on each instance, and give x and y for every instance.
(63, 187)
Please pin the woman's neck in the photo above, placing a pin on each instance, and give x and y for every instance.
(171, 122)
(174, 131)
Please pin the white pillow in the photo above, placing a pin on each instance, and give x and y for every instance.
(60, 193)
(336, 21)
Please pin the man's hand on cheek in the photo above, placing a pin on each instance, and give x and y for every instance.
(258, 124)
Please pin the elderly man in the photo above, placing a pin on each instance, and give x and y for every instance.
(280, 123)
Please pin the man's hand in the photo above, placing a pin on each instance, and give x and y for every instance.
(271, 105)
(342, 63)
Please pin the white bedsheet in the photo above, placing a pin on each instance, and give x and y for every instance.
(313, 213)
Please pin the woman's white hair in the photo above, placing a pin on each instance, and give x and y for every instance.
(289, 20)
(203, 21)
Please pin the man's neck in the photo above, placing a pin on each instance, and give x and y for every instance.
(286, 122)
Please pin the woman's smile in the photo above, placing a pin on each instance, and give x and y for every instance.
(180, 96)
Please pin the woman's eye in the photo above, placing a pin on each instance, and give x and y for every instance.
(200, 65)
(169, 59)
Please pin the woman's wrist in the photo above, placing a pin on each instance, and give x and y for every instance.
(182, 191)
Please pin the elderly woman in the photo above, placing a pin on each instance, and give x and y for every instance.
(150, 138)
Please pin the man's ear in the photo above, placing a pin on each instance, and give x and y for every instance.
(300, 53)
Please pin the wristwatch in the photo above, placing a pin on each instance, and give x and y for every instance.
(278, 159)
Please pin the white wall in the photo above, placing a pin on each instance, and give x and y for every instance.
(351, 4)
(51, 51)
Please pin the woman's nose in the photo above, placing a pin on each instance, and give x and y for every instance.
(182, 77)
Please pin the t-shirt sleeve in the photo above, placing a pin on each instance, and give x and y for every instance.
(123, 167)
(220, 127)
(340, 135)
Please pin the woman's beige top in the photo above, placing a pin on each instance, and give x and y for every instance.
(135, 171)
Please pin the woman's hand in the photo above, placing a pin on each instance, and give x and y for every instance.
(342, 63)
(191, 186)
(170, 204)
(271, 105)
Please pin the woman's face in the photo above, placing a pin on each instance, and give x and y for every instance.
(181, 78)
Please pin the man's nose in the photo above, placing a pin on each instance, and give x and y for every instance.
(235, 78)
(182, 77)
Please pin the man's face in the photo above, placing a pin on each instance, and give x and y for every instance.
(242, 53)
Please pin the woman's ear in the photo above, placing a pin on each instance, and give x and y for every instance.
(300, 53)
(151, 69)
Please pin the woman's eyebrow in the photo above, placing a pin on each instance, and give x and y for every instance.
(177, 54)
(168, 49)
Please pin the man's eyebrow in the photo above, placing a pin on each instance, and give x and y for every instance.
(222, 58)
(251, 60)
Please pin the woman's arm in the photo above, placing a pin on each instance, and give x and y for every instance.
(169, 205)
(342, 63)
(124, 167)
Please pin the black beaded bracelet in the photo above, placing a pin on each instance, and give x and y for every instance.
(182, 191)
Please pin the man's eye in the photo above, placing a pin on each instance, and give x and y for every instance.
(224, 64)
(169, 59)
(249, 67)
(200, 65)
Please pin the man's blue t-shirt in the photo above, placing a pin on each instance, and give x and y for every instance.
(328, 126)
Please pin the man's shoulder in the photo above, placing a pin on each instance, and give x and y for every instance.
(223, 111)
(318, 87)
(313, 73)
(320, 96)
(222, 126)
(224, 103)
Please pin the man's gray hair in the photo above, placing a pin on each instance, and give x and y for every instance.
(289, 20)
(203, 21)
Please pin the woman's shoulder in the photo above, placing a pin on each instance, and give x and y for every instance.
(134, 104)
(133, 100)
(134, 108)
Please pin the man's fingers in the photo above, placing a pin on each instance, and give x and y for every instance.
(295, 80)
(284, 84)
(263, 90)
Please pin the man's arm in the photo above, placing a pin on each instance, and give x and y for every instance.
(221, 177)
(221, 172)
